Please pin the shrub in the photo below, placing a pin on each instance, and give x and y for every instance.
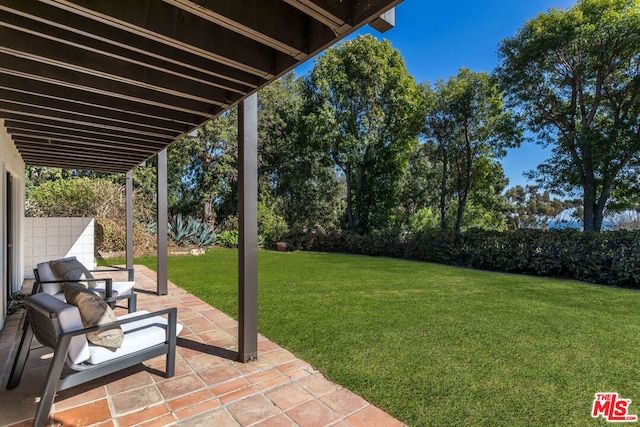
(271, 226)
(180, 232)
(228, 238)
(608, 258)
(64, 197)
(111, 236)
(190, 231)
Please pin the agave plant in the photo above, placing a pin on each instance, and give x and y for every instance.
(152, 227)
(180, 231)
(204, 235)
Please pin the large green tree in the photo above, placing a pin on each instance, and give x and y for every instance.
(207, 164)
(297, 181)
(575, 75)
(467, 122)
(365, 112)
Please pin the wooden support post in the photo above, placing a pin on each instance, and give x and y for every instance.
(248, 224)
(162, 224)
(129, 221)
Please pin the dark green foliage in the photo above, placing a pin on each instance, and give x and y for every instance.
(365, 111)
(63, 197)
(608, 258)
(228, 238)
(469, 129)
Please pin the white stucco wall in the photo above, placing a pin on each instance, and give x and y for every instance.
(10, 161)
(53, 238)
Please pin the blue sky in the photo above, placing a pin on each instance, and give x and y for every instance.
(437, 38)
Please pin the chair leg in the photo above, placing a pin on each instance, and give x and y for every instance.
(132, 306)
(21, 356)
(171, 351)
(51, 384)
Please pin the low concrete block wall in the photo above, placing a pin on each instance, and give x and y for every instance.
(52, 238)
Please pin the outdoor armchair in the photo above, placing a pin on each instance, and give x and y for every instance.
(52, 274)
(63, 327)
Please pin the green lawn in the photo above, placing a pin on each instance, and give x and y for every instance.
(438, 345)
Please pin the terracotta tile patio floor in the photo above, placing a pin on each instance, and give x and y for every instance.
(210, 388)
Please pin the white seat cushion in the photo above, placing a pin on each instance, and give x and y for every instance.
(118, 288)
(137, 336)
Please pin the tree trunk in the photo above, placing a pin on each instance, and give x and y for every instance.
(598, 217)
(443, 190)
(347, 174)
(463, 195)
(589, 206)
(209, 218)
(359, 185)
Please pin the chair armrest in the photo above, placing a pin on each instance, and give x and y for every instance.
(108, 284)
(171, 322)
(96, 279)
(107, 268)
(132, 297)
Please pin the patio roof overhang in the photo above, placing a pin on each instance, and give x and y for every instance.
(104, 85)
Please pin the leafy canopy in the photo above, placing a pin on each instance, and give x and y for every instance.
(365, 112)
(575, 75)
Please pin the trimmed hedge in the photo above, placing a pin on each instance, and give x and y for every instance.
(608, 258)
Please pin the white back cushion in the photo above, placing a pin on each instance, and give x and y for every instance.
(68, 319)
(45, 274)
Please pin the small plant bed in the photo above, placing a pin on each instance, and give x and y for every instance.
(16, 303)
(437, 345)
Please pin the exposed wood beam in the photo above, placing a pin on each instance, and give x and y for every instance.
(115, 141)
(25, 90)
(385, 22)
(44, 49)
(77, 165)
(372, 10)
(269, 22)
(79, 144)
(115, 120)
(41, 69)
(14, 118)
(119, 38)
(75, 156)
(116, 57)
(173, 26)
(47, 105)
(335, 17)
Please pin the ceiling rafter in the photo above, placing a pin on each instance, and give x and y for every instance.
(106, 84)
(112, 106)
(26, 123)
(137, 45)
(25, 129)
(162, 22)
(54, 51)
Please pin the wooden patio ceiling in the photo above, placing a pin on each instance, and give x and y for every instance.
(105, 84)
